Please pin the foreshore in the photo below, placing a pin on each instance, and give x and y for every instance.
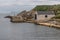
(48, 24)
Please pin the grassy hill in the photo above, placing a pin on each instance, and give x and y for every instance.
(55, 8)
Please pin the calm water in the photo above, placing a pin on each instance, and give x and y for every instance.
(26, 31)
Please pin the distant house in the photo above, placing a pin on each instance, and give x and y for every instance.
(44, 15)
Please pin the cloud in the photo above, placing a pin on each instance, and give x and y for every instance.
(38, 2)
(28, 2)
(6, 2)
(18, 5)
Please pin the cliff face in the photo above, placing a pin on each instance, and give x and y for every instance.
(27, 15)
(17, 18)
(22, 17)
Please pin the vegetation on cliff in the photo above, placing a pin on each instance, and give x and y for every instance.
(55, 8)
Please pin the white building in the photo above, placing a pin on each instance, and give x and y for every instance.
(44, 15)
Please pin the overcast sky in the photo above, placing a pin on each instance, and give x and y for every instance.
(28, 2)
(9, 5)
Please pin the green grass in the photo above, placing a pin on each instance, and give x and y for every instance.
(57, 16)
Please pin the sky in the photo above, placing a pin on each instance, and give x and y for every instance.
(10, 5)
(28, 2)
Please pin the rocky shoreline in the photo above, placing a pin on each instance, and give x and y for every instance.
(28, 17)
(49, 24)
(43, 23)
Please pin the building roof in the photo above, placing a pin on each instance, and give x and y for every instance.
(45, 13)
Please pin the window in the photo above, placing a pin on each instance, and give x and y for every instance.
(46, 16)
